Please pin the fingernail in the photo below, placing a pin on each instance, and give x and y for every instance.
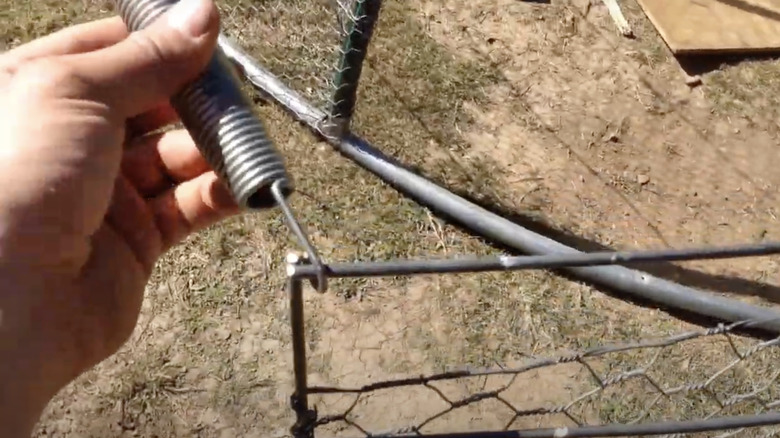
(191, 16)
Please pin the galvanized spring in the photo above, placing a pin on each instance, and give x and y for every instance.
(220, 119)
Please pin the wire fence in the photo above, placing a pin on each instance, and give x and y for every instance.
(697, 382)
(622, 386)
(700, 381)
(317, 47)
(299, 40)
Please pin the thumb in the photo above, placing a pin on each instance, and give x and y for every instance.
(152, 64)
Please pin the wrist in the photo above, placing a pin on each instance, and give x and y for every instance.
(30, 371)
(23, 396)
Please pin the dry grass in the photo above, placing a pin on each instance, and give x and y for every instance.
(211, 355)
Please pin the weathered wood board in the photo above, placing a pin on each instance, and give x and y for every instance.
(716, 26)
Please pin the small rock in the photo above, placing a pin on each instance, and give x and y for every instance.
(222, 334)
(270, 345)
(642, 179)
(693, 81)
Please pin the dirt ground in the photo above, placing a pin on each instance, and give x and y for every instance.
(541, 111)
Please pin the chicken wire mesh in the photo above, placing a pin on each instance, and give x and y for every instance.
(316, 47)
(655, 384)
(719, 381)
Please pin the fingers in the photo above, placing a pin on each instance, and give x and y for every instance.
(157, 161)
(149, 121)
(200, 199)
(130, 217)
(80, 38)
(150, 65)
(190, 207)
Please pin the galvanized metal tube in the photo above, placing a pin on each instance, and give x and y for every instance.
(629, 282)
(305, 418)
(364, 14)
(297, 323)
(221, 120)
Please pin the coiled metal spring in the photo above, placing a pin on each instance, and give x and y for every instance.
(220, 120)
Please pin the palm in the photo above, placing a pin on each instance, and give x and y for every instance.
(97, 209)
(163, 192)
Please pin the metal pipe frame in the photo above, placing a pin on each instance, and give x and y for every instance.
(628, 282)
(306, 418)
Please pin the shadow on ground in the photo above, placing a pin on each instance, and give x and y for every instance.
(702, 64)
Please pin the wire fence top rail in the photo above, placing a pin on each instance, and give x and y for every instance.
(513, 263)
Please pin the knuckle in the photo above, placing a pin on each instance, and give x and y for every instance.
(150, 47)
(43, 76)
(44, 70)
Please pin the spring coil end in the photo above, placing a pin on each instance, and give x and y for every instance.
(262, 197)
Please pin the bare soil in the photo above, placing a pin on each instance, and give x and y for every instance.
(608, 142)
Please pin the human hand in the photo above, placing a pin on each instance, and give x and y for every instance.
(88, 203)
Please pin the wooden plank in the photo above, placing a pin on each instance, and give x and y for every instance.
(716, 26)
(618, 18)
